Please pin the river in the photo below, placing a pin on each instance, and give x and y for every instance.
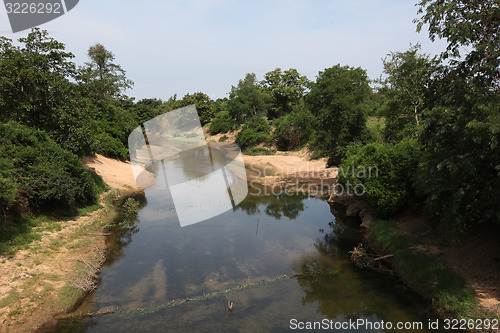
(281, 260)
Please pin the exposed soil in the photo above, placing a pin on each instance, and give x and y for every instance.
(48, 278)
(291, 171)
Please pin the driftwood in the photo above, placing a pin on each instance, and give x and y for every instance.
(367, 261)
(384, 257)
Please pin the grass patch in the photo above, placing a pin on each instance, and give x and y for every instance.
(81, 243)
(23, 231)
(55, 244)
(432, 277)
(388, 236)
(13, 297)
(90, 209)
(18, 235)
(426, 274)
(68, 296)
(53, 226)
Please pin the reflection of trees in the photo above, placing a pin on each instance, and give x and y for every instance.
(337, 295)
(276, 206)
(122, 230)
(349, 293)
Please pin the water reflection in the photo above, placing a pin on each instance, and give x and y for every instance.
(122, 231)
(282, 205)
(165, 262)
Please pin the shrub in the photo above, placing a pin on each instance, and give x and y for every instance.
(385, 171)
(293, 130)
(44, 176)
(256, 130)
(109, 146)
(7, 185)
(222, 123)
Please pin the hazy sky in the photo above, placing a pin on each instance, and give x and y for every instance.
(184, 46)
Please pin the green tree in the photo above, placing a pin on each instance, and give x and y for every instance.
(294, 129)
(409, 75)
(246, 100)
(458, 178)
(203, 103)
(337, 100)
(255, 131)
(222, 123)
(101, 75)
(285, 90)
(44, 175)
(467, 25)
(147, 109)
(35, 79)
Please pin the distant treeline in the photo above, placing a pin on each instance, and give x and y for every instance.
(431, 125)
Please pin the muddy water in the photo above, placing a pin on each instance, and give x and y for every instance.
(280, 260)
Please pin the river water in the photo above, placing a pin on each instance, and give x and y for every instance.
(282, 260)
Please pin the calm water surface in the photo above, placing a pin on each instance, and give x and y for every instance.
(154, 261)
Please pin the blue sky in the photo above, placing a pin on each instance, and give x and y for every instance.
(185, 46)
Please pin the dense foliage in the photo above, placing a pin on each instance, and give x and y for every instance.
(338, 101)
(222, 123)
(256, 130)
(39, 175)
(384, 172)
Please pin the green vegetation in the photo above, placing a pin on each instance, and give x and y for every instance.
(438, 150)
(385, 171)
(431, 126)
(424, 273)
(222, 123)
(256, 130)
(43, 175)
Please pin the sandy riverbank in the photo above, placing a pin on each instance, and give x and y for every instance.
(52, 273)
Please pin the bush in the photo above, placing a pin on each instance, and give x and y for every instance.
(386, 173)
(254, 131)
(222, 123)
(43, 176)
(293, 130)
(7, 185)
(107, 145)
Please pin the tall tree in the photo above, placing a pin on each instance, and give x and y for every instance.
(203, 103)
(35, 79)
(102, 75)
(285, 89)
(460, 176)
(337, 100)
(467, 25)
(246, 100)
(409, 75)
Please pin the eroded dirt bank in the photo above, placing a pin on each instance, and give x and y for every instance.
(49, 276)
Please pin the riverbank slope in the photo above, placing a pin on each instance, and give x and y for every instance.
(50, 274)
